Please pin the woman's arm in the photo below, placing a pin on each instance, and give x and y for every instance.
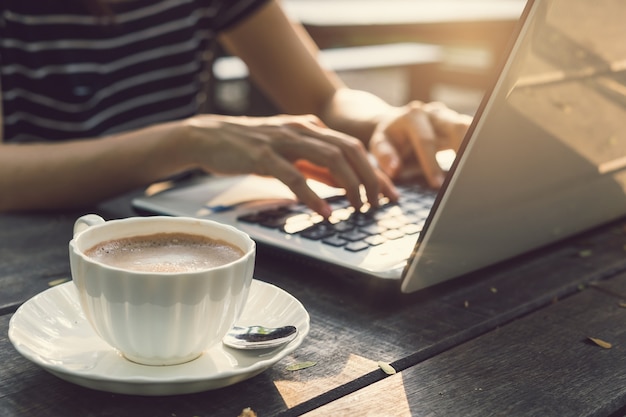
(76, 173)
(46, 176)
(282, 60)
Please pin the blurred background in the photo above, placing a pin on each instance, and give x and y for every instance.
(446, 50)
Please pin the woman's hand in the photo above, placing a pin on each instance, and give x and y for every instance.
(290, 148)
(406, 143)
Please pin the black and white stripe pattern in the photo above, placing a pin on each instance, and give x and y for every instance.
(66, 73)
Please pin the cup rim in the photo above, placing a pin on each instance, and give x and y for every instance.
(248, 251)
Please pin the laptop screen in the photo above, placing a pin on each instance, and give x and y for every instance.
(546, 155)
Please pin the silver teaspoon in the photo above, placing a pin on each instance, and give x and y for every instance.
(259, 337)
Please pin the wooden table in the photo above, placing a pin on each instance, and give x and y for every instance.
(511, 340)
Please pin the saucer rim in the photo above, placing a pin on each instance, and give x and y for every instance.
(167, 384)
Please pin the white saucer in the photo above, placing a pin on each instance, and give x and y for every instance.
(51, 330)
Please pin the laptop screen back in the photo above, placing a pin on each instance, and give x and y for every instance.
(546, 155)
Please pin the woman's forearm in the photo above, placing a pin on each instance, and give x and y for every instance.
(78, 173)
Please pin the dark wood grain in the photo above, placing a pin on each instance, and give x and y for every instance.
(33, 248)
(33, 252)
(540, 365)
(350, 332)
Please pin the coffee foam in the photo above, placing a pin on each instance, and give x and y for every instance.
(165, 252)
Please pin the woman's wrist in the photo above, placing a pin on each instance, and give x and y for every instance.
(169, 149)
(356, 113)
(193, 138)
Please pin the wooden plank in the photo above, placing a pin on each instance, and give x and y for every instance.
(495, 297)
(349, 333)
(543, 364)
(346, 341)
(34, 251)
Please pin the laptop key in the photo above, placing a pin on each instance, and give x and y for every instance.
(356, 246)
(373, 229)
(253, 218)
(393, 234)
(342, 227)
(411, 229)
(269, 218)
(353, 235)
(273, 222)
(392, 223)
(375, 240)
(319, 231)
(335, 241)
(293, 227)
(361, 219)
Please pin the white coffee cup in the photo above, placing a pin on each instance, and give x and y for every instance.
(159, 318)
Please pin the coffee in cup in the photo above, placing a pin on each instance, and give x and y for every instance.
(165, 252)
(168, 309)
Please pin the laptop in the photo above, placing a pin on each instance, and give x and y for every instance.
(544, 159)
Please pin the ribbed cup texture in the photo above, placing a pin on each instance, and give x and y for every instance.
(161, 319)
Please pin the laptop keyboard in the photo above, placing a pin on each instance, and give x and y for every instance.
(350, 229)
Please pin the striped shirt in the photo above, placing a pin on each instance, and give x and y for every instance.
(67, 73)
